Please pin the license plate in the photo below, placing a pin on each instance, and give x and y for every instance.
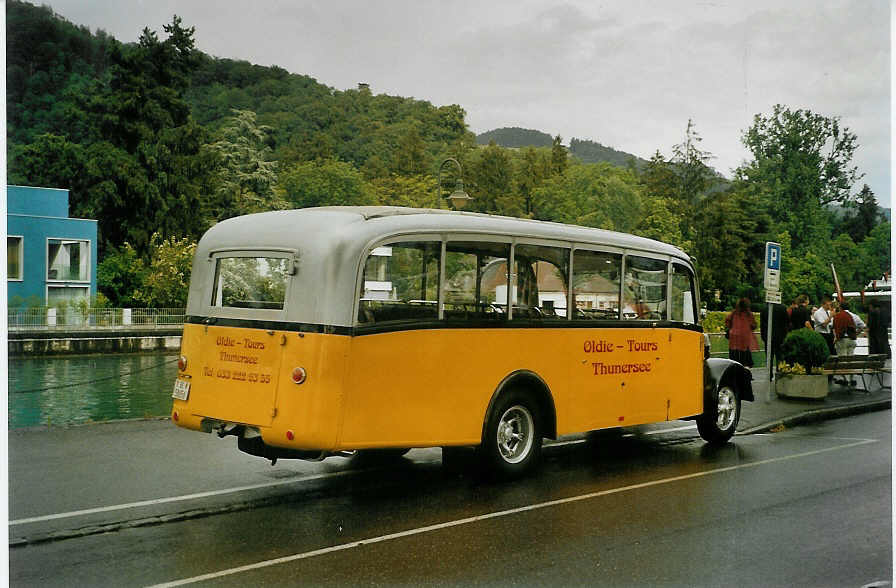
(181, 389)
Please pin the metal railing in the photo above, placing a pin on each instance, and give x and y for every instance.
(74, 318)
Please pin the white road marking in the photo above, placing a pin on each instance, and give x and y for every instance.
(492, 515)
(169, 499)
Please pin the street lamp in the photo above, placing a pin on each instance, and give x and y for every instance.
(458, 198)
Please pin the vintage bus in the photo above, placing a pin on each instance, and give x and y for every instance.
(329, 330)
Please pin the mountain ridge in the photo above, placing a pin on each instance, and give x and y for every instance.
(586, 150)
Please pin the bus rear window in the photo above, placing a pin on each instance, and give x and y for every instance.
(251, 282)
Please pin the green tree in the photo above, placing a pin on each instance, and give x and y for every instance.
(659, 178)
(802, 161)
(414, 191)
(662, 220)
(559, 156)
(725, 233)
(410, 158)
(324, 183)
(863, 214)
(594, 194)
(51, 160)
(245, 176)
(491, 175)
(120, 275)
(875, 253)
(167, 278)
(694, 176)
(531, 170)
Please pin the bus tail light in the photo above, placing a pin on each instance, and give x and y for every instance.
(182, 363)
(290, 435)
(298, 375)
(175, 416)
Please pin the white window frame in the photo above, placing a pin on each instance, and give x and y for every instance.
(21, 277)
(57, 281)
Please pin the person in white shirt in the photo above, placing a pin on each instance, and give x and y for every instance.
(821, 319)
(860, 324)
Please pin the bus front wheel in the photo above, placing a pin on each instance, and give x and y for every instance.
(720, 417)
(512, 438)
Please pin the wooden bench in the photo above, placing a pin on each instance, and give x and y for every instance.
(857, 365)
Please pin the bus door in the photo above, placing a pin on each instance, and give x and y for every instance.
(597, 394)
(240, 360)
(650, 347)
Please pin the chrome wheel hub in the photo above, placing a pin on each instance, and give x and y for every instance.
(727, 409)
(515, 434)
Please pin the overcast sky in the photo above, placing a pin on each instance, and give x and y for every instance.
(625, 73)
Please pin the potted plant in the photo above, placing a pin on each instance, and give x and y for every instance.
(800, 375)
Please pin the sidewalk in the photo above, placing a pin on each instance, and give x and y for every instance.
(769, 411)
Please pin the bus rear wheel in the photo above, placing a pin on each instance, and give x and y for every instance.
(511, 443)
(719, 419)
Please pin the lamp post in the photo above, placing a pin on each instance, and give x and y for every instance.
(458, 198)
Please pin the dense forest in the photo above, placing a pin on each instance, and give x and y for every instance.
(158, 141)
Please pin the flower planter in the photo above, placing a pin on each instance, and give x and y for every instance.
(801, 386)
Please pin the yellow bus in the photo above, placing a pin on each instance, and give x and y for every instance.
(329, 330)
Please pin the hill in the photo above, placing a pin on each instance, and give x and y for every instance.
(591, 152)
(55, 69)
(515, 137)
(585, 150)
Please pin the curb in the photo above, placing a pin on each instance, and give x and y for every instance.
(821, 414)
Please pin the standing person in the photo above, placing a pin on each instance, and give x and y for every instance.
(860, 326)
(845, 334)
(822, 319)
(877, 329)
(780, 324)
(740, 325)
(799, 316)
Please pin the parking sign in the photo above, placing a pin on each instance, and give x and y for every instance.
(772, 266)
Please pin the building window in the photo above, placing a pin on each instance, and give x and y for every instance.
(68, 260)
(66, 294)
(14, 256)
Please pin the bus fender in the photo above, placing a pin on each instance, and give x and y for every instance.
(532, 382)
(717, 370)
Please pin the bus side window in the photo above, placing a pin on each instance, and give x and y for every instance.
(644, 291)
(541, 282)
(401, 282)
(681, 295)
(596, 284)
(476, 280)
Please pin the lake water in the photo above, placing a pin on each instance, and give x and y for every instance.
(69, 390)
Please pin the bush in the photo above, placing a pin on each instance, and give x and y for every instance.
(804, 347)
(714, 322)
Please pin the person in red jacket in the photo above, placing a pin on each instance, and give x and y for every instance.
(845, 334)
(739, 325)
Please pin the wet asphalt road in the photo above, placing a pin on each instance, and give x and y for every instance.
(809, 506)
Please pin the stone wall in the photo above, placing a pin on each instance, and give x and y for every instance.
(52, 343)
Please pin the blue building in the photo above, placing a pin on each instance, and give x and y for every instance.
(49, 255)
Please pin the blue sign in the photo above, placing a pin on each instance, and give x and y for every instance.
(772, 256)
